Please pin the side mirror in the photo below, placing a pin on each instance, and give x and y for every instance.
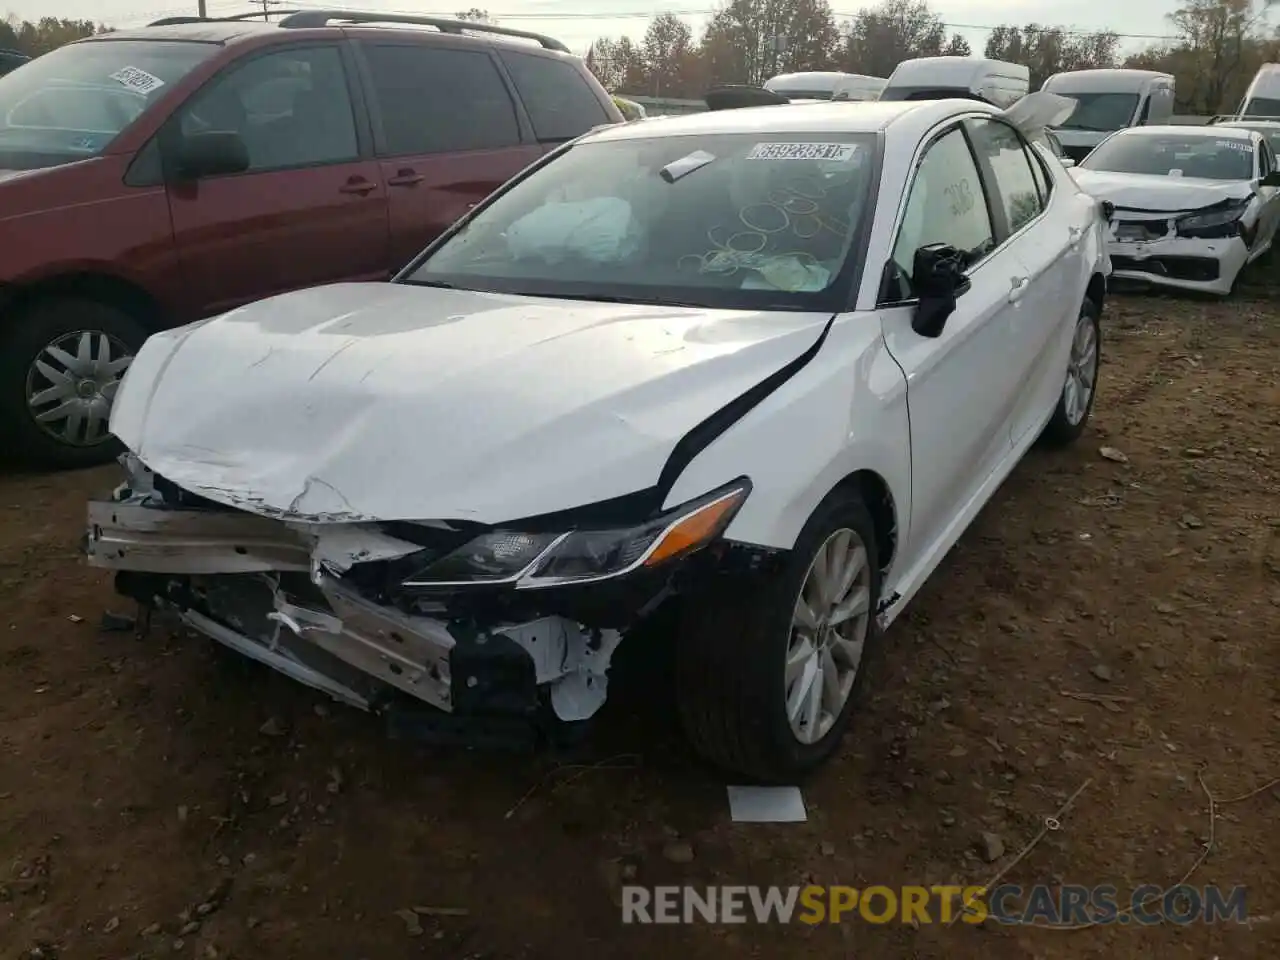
(1272, 179)
(1067, 162)
(938, 277)
(212, 153)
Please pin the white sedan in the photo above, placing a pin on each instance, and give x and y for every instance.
(1192, 205)
(765, 365)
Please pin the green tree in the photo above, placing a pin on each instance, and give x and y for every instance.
(881, 37)
(45, 34)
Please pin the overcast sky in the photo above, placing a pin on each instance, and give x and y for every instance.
(578, 23)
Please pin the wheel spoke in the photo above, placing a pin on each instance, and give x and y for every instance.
(855, 561)
(64, 358)
(848, 653)
(60, 412)
(117, 366)
(53, 374)
(60, 390)
(855, 605)
(798, 699)
(84, 351)
(813, 703)
(832, 689)
(804, 618)
(799, 656)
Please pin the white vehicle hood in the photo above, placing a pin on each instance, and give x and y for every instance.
(1145, 192)
(391, 402)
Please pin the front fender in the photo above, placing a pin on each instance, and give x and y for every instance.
(846, 411)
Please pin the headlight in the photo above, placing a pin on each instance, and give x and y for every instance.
(532, 560)
(1220, 223)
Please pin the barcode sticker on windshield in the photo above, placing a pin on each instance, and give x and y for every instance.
(137, 80)
(1242, 145)
(835, 152)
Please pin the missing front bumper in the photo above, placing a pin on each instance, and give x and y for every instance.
(274, 592)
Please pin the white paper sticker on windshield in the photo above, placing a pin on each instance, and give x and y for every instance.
(1241, 145)
(137, 80)
(833, 152)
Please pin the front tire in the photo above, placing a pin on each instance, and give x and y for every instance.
(61, 361)
(1080, 385)
(766, 680)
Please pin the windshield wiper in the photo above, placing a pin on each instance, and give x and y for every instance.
(441, 284)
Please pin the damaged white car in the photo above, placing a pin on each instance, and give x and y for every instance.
(765, 364)
(1192, 206)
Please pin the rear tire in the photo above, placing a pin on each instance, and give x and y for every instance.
(1070, 416)
(734, 648)
(61, 361)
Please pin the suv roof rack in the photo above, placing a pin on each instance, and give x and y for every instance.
(233, 18)
(320, 18)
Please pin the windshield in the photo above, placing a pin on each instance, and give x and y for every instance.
(1262, 107)
(735, 221)
(1271, 132)
(1102, 112)
(1171, 155)
(72, 102)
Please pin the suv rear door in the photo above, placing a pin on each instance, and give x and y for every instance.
(559, 99)
(446, 130)
(310, 209)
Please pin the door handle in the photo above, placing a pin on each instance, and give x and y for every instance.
(1074, 234)
(1017, 287)
(358, 185)
(405, 178)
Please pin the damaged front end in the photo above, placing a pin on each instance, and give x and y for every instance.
(474, 622)
(1195, 249)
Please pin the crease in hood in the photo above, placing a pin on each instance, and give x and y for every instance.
(357, 402)
(1155, 193)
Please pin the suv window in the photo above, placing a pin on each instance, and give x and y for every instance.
(1146, 112)
(291, 107)
(434, 99)
(560, 103)
(1007, 154)
(946, 205)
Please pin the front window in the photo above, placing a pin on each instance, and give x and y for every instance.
(72, 102)
(1100, 112)
(1172, 155)
(1262, 107)
(738, 221)
(1272, 134)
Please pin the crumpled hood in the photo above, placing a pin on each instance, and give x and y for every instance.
(393, 402)
(1146, 192)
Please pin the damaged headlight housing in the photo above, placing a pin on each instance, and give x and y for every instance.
(533, 560)
(1222, 222)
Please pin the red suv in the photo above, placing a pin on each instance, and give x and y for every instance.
(153, 177)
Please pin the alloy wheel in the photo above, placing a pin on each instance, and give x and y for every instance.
(829, 625)
(1082, 370)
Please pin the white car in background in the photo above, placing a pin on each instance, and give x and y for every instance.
(1192, 206)
(766, 364)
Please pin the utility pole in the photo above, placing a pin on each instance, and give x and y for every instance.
(203, 9)
(265, 17)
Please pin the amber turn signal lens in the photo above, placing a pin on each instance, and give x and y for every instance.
(694, 529)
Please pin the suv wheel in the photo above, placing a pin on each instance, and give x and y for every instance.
(61, 362)
(1080, 386)
(766, 681)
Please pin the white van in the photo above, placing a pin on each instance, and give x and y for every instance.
(822, 85)
(973, 78)
(1109, 100)
(1262, 99)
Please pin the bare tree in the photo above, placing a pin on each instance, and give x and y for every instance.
(1050, 50)
(749, 41)
(881, 37)
(475, 15)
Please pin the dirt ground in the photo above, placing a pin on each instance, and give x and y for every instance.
(159, 798)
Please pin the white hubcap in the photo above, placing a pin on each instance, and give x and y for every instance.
(828, 631)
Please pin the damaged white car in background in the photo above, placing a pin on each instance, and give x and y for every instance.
(1190, 206)
(765, 365)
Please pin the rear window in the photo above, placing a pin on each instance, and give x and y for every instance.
(71, 103)
(560, 102)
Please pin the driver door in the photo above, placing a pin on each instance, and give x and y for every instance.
(962, 386)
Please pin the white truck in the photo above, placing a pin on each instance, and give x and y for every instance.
(825, 85)
(1109, 100)
(974, 78)
(1262, 99)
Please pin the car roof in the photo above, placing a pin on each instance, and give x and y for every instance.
(232, 31)
(1188, 130)
(1247, 124)
(819, 116)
